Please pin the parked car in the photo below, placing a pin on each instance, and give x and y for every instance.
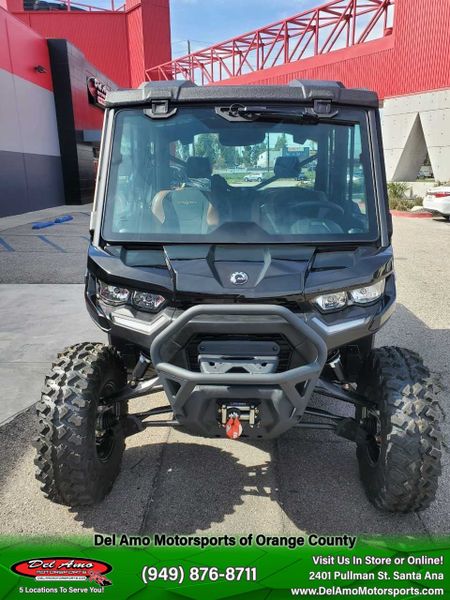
(437, 201)
(426, 172)
(253, 177)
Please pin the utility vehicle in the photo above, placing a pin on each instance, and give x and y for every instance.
(240, 301)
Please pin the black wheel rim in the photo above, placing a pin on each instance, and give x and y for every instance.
(106, 423)
(371, 423)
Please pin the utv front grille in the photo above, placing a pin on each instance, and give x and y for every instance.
(284, 357)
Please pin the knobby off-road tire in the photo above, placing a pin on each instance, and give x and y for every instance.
(400, 456)
(79, 453)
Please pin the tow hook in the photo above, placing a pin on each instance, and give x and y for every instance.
(233, 427)
(232, 415)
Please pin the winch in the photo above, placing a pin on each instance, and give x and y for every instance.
(231, 415)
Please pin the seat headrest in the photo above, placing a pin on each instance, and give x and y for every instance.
(287, 166)
(198, 167)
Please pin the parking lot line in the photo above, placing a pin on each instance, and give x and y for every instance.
(6, 246)
(47, 241)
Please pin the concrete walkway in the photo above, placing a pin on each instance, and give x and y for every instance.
(38, 321)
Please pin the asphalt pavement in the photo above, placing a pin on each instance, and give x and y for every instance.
(55, 254)
(173, 482)
(41, 299)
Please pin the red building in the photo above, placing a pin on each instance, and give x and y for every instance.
(395, 47)
(56, 59)
(112, 40)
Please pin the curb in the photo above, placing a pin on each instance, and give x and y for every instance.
(409, 215)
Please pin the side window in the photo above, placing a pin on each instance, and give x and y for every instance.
(131, 178)
(356, 184)
(341, 174)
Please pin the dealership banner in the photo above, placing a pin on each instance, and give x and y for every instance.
(227, 566)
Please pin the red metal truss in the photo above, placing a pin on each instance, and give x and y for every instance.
(337, 24)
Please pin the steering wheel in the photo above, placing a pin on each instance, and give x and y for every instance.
(324, 207)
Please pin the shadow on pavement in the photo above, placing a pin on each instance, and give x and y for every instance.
(315, 484)
(442, 219)
(192, 498)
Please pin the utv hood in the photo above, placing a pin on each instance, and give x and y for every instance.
(254, 272)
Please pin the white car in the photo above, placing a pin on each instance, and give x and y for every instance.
(253, 177)
(437, 201)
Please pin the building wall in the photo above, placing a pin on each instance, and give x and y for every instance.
(412, 126)
(135, 44)
(79, 122)
(149, 42)
(121, 44)
(30, 162)
(102, 37)
(156, 34)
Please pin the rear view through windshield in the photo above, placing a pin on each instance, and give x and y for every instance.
(198, 177)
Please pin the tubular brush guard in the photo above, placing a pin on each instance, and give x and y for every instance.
(197, 398)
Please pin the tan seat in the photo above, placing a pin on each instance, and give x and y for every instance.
(186, 210)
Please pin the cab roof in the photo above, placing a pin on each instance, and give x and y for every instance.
(296, 91)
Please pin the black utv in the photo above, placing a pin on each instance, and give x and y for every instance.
(240, 297)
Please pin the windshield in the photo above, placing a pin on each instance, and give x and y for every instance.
(199, 177)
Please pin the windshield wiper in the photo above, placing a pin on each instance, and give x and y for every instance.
(252, 113)
(240, 112)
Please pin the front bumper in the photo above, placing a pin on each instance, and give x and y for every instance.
(198, 397)
(440, 206)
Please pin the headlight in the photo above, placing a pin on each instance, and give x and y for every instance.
(369, 293)
(116, 295)
(332, 301)
(112, 294)
(147, 301)
(338, 300)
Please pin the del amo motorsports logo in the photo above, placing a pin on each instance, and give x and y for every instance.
(64, 569)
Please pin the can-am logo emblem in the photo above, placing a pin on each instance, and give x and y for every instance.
(239, 278)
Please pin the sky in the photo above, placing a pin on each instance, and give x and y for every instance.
(206, 22)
